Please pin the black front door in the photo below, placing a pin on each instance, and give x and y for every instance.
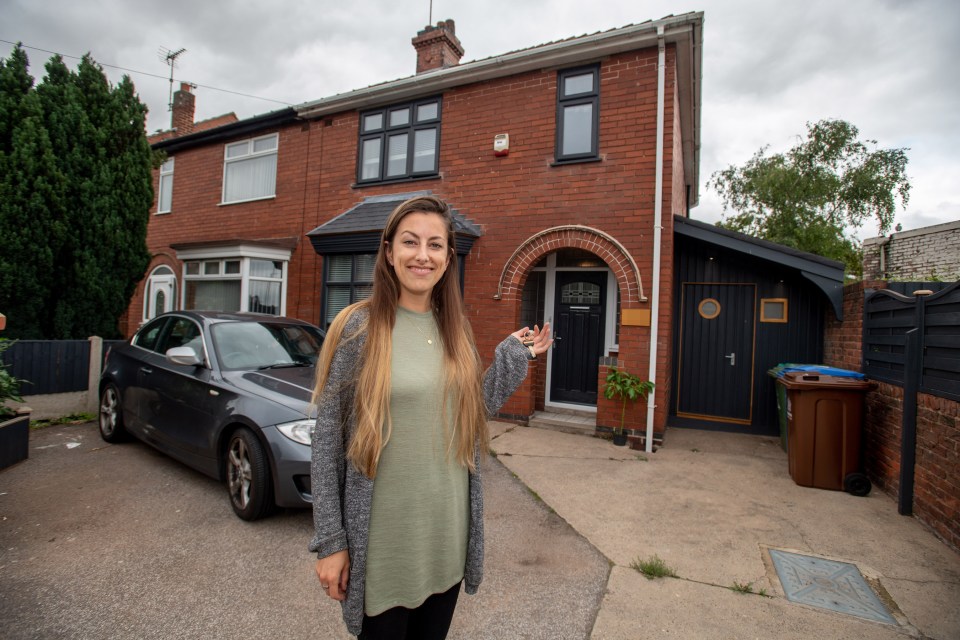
(578, 327)
(715, 380)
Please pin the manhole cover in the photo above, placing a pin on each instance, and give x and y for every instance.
(837, 586)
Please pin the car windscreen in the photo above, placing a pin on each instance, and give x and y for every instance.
(261, 345)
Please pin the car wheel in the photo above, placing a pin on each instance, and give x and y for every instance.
(248, 476)
(111, 415)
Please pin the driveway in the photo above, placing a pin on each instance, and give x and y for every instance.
(118, 541)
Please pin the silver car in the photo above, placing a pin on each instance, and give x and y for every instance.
(225, 393)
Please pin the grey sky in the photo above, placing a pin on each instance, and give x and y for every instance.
(887, 66)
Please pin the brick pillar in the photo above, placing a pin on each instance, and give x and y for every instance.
(522, 404)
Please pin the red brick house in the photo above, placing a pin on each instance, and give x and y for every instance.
(567, 164)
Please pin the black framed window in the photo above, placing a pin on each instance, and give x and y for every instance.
(348, 278)
(399, 142)
(578, 114)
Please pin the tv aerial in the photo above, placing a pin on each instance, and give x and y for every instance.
(169, 57)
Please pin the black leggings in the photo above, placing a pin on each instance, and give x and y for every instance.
(429, 621)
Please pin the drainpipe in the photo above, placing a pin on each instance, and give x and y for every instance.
(883, 256)
(657, 231)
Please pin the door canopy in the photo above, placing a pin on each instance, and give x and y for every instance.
(510, 285)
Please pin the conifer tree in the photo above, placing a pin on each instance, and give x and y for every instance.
(83, 175)
(31, 205)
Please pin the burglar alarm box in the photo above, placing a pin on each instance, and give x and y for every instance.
(501, 144)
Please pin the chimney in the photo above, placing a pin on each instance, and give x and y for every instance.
(183, 107)
(437, 47)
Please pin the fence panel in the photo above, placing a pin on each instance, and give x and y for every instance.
(49, 366)
(941, 344)
(888, 315)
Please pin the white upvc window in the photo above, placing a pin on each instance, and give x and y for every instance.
(239, 278)
(250, 169)
(165, 188)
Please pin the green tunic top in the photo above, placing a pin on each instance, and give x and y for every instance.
(420, 513)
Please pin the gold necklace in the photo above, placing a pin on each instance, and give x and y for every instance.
(420, 331)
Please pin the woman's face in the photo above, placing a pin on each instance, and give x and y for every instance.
(419, 255)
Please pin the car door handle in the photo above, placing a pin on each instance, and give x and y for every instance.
(146, 370)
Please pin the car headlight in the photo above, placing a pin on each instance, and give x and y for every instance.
(298, 431)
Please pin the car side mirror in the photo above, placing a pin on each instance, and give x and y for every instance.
(184, 356)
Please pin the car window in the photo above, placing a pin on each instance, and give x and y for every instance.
(183, 332)
(148, 335)
(302, 343)
(256, 345)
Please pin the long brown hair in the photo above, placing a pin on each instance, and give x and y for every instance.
(461, 362)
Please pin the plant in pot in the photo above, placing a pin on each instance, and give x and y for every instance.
(14, 427)
(625, 387)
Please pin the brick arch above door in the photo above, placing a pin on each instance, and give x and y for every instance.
(531, 250)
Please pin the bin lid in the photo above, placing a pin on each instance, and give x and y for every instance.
(803, 380)
(786, 367)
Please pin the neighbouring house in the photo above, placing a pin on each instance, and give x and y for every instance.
(918, 255)
(572, 167)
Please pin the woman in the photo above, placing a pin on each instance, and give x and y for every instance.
(402, 408)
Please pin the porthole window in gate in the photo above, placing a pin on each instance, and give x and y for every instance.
(584, 293)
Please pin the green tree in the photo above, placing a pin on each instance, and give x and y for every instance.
(811, 196)
(91, 229)
(31, 204)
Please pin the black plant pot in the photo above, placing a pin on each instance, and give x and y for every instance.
(620, 439)
(14, 439)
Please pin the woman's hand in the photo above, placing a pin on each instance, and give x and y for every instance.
(334, 573)
(539, 339)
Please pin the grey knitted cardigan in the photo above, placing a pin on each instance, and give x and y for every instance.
(342, 495)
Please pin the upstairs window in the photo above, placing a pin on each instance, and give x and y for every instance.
(165, 188)
(399, 142)
(250, 169)
(578, 114)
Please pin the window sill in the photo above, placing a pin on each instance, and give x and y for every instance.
(161, 213)
(562, 163)
(227, 204)
(361, 185)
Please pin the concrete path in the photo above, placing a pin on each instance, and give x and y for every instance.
(711, 505)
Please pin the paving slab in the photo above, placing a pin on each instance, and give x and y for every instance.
(636, 608)
(711, 505)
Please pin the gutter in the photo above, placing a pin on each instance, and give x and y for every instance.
(657, 233)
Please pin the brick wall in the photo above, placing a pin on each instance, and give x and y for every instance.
(511, 197)
(931, 253)
(936, 500)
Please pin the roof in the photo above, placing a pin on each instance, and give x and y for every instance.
(227, 131)
(358, 229)
(825, 274)
(202, 125)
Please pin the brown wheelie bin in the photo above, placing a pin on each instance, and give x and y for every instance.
(824, 426)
